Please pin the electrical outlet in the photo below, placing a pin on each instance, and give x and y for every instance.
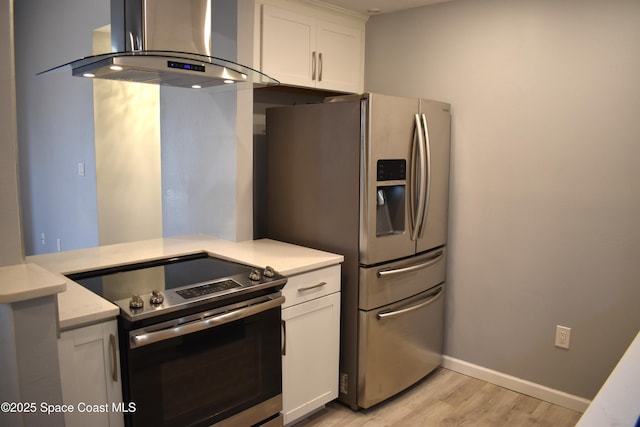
(563, 336)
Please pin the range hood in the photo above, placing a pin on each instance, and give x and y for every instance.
(164, 42)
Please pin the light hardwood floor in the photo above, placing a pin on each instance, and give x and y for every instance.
(447, 398)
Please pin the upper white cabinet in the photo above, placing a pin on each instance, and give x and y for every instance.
(304, 48)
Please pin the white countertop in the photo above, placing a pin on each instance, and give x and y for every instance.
(618, 403)
(78, 306)
(28, 281)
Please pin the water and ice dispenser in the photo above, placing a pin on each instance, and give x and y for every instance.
(391, 197)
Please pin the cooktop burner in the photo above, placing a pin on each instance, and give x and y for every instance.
(148, 289)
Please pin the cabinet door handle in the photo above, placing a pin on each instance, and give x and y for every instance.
(308, 288)
(114, 358)
(284, 337)
(320, 67)
(313, 66)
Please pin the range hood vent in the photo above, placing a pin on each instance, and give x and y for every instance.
(164, 42)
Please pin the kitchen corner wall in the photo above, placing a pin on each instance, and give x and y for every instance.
(11, 249)
(545, 195)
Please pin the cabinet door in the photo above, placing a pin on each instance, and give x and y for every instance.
(88, 365)
(288, 45)
(311, 351)
(340, 58)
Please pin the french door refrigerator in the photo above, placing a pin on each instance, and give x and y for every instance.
(367, 176)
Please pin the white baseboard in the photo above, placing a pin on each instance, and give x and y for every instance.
(517, 384)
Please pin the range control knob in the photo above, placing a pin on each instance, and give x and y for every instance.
(269, 271)
(156, 298)
(136, 301)
(254, 275)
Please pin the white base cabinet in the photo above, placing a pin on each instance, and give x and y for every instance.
(311, 342)
(90, 375)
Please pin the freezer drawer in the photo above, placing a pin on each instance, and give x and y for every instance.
(398, 280)
(399, 344)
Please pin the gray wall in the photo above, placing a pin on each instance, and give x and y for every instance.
(198, 171)
(55, 123)
(545, 184)
(11, 251)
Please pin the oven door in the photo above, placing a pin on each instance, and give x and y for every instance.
(212, 367)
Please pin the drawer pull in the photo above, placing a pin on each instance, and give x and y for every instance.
(308, 288)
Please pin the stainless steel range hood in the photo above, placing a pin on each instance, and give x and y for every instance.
(164, 42)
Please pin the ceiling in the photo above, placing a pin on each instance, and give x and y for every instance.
(376, 7)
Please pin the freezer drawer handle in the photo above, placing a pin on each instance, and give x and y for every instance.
(432, 297)
(308, 288)
(438, 255)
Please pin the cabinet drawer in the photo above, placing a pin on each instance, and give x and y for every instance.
(314, 284)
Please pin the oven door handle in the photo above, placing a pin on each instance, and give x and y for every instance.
(146, 338)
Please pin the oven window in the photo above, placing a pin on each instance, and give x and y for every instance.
(202, 378)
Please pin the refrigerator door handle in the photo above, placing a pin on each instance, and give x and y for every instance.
(418, 179)
(412, 190)
(431, 298)
(436, 257)
(425, 129)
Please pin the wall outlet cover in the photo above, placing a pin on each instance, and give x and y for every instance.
(563, 336)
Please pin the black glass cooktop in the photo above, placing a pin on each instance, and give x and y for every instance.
(169, 273)
(150, 288)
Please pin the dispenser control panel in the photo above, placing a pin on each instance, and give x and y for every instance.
(392, 170)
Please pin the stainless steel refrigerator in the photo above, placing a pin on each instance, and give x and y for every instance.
(367, 176)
